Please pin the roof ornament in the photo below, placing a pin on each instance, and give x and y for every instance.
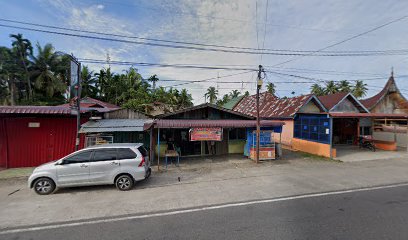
(392, 71)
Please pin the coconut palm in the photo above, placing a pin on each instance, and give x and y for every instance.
(270, 87)
(344, 86)
(23, 48)
(331, 88)
(88, 83)
(360, 89)
(317, 90)
(44, 72)
(211, 94)
(153, 79)
(234, 93)
(185, 99)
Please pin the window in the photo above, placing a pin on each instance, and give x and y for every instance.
(312, 128)
(81, 157)
(143, 151)
(126, 153)
(104, 155)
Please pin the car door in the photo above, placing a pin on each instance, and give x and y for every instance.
(103, 165)
(74, 169)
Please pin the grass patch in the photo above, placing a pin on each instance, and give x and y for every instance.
(316, 157)
(15, 173)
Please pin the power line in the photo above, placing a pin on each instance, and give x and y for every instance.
(266, 20)
(349, 39)
(218, 48)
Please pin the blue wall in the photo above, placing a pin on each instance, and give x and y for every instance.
(314, 128)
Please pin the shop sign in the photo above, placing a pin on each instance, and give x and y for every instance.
(206, 134)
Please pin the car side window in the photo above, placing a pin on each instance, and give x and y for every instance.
(80, 157)
(126, 153)
(104, 155)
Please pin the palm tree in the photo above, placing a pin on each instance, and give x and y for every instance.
(246, 94)
(344, 86)
(234, 93)
(43, 71)
(317, 90)
(23, 48)
(185, 100)
(271, 88)
(153, 79)
(331, 88)
(360, 89)
(88, 83)
(211, 94)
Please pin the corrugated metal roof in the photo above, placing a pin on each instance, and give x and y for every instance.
(330, 100)
(114, 125)
(36, 110)
(372, 101)
(273, 107)
(204, 105)
(233, 102)
(88, 102)
(248, 104)
(188, 123)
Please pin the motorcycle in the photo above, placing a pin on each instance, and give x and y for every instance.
(364, 142)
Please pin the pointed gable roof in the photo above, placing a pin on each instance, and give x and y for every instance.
(390, 86)
(332, 100)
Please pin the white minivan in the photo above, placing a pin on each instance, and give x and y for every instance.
(121, 164)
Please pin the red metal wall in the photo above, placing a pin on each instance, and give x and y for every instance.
(3, 145)
(32, 146)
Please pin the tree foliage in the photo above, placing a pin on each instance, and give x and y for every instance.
(359, 90)
(40, 76)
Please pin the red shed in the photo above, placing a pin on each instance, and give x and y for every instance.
(33, 135)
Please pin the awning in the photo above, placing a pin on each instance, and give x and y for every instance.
(368, 115)
(113, 125)
(225, 123)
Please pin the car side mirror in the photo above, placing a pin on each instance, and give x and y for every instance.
(61, 162)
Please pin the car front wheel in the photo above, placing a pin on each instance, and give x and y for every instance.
(124, 183)
(44, 186)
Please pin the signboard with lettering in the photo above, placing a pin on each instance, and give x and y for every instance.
(206, 134)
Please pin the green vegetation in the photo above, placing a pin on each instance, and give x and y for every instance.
(359, 90)
(40, 76)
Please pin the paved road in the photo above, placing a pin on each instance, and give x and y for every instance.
(373, 214)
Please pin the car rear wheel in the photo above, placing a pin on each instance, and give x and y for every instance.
(44, 186)
(124, 183)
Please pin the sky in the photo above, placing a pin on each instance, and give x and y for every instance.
(274, 24)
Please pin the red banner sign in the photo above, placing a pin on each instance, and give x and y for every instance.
(206, 134)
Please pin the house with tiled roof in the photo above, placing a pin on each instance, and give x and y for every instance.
(289, 110)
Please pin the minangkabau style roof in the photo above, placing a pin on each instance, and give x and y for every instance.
(390, 86)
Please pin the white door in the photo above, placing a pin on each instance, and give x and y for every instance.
(103, 165)
(74, 169)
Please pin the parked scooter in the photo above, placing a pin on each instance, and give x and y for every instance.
(364, 142)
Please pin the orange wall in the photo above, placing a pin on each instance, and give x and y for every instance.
(320, 149)
(287, 133)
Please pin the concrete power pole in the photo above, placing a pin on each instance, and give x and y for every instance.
(258, 122)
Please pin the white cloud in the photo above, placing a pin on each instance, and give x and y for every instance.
(100, 6)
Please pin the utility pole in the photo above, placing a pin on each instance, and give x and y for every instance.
(78, 106)
(258, 123)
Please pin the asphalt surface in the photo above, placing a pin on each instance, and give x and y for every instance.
(374, 214)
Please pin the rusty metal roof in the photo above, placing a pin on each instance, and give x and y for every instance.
(275, 108)
(36, 110)
(188, 123)
(247, 105)
(88, 102)
(331, 100)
